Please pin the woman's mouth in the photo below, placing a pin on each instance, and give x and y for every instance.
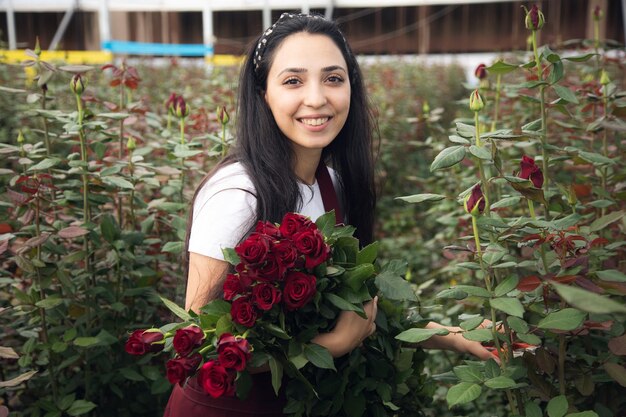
(317, 121)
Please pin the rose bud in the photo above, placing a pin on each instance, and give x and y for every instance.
(243, 312)
(37, 49)
(181, 109)
(604, 78)
(131, 143)
(534, 18)
(222, 115)
(481, 71)
(77, 85)
(234, 352)
(476, 101)
(598, 14)
(143, 341)
(475, 201)
(530, 171)
(171, 103)
(179, 369)
(187, 339)
(215, 380)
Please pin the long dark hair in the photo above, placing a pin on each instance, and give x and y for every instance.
(266, 153)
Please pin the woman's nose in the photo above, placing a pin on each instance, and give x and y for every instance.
(315, 96)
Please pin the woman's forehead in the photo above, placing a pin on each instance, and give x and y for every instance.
(307, 51)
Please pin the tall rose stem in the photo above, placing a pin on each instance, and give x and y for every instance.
(494, 122)
(544, 125)
(481, 168)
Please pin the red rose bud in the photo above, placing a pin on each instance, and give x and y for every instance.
(476, 101)
(293, 223)
(181, 109)
(232, 287)
(216, 380)
(265, 296)
(233, 352)
(299, 290)
(179, 369)
(598, 14)
(310, 243)
(285, 253)
(475, 201)
(530, 171)
(243, 312)
(143, 341)
(222, 115)
(187, 339)
(171, 103)
(534, 18)
(77, 85)
(481, 71)
(254, 249)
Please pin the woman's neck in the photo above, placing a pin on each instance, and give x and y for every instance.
(306, 163)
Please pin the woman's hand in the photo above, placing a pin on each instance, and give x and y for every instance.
(350, 330)
(456, 342)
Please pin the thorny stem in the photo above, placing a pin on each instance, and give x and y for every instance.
(120, 155)
(544, 125)
(481, 168)
(542, 250)
(497, 102)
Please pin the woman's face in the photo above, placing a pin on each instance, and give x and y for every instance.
(308, 91)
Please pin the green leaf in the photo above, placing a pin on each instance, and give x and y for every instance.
(419, 198)
(595, 158)
(604, 221)
(342, 304)
(417, 335)
(110, 228)
(583, 414)
(118, 182)
(448, 157)
(566, 319)
(176, 309)
(473, 290)
(368, 254)
(319, 356)
(517, 324)
(131, 374)
(276, 331)
(480, 152)
(557, 407)
(611, 275)
(500, 382)
(395, 287)
(529, 338)
(49, 303)
(462, 393)
(511, 306)
(465, 130)
(80, 407)
(472, 323)
(532, 410)
(506, 202)
(173, 247)
(501, 67)
(579, 58)
(114, 116)
(506, 286)
(86, 341)
(45, 164)
(587, 301)
(478, 335)
(276, 368)
(326, 223)
(617, 372)
(468, 373)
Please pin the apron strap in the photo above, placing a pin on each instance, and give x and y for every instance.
(329, 194)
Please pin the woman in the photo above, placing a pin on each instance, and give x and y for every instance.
(301, 106)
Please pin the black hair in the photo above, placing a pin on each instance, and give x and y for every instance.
(266, 153)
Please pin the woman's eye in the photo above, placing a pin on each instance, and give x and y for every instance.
(335, 79)
(291, 81)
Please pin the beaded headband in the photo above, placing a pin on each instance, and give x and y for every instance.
(260, 47)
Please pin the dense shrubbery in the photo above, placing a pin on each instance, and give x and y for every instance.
(95, 186)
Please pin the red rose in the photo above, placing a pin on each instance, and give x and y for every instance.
(310, 243)
(270, 271)
(481, 71)
(179, 369)
(247, 275)
(265, 295)
(243, 312)
(233, 352)
(294, 223)
(285, 253)
(268, 228)
(254, 249)
(187, 339)
(299, 289)
(232, 287)
(530, 171)
(216, 380)
(475, 202)
(144, 341)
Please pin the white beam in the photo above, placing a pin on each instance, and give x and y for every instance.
(62, 27)
(104, 23)
(11, 24)
(207, 27)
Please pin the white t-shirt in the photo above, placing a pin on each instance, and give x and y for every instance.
(225, 209)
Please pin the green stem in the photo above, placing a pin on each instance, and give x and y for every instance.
(481, 168)
(182, 160)
(497, 102)
(223, 140)
(542, 101)
(120, 155)
(542, 249)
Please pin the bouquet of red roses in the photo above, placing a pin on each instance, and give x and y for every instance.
(289, 283)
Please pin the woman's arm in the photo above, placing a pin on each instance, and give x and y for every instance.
(350, 330)
(455, 341)
(204, 280)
